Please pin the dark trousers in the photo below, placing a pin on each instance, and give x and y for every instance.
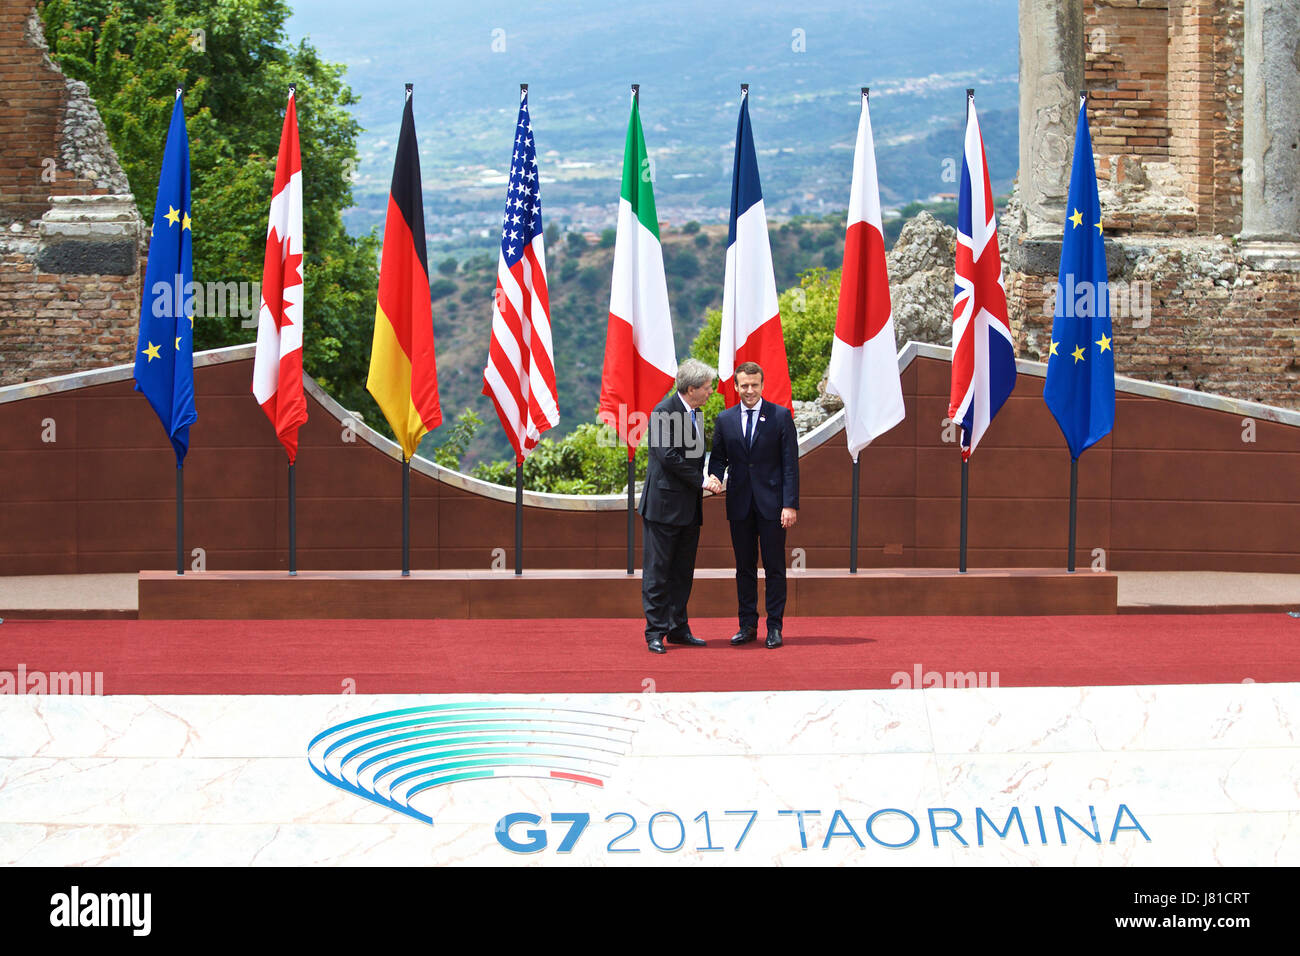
(749, 536)
(667, 573)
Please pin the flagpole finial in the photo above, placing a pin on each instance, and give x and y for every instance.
(636, 92)
(1083, 96)
(180, 90)
(409, 88)
(866, 92)
(970, 92)
(523, 87)
(744, 89)
(293, 89)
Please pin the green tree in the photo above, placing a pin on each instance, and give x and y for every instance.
(808, 324)
(456, 438)
(590, 460)
(682, 262)
(448, 266)
(235, 62)
(808, 313)
(482, 262)
(608, 237)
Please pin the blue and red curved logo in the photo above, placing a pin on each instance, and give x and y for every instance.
(392, 757)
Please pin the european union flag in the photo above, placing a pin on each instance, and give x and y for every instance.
(164, 360)
(1080, 387)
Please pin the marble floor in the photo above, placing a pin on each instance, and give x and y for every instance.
(1172, 774)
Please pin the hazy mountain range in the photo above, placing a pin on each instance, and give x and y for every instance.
(804, 62)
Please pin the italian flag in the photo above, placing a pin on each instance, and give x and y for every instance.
(640, 358)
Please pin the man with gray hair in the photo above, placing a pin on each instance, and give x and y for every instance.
(672, 507)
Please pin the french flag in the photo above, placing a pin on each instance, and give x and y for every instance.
(983, 356)
(751, 319)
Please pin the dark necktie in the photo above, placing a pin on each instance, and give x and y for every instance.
(695, 422)
(749, 426)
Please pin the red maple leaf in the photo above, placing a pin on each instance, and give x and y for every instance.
(282, 272)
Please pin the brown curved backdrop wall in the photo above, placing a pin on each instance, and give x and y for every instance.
(1175, 487)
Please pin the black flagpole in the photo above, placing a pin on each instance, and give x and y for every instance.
(631, 510)
(1074, 510)
(853, 508)
(180, 517)
(519, 518)
(853, 523)
(406, 517)
(965, 461)
(293, 525)
(519, 476)
(293, 520)
(965, 487)
(631, 462)
(180, 475)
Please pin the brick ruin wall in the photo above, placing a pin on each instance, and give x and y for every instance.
(1165, 85)
(70, 236)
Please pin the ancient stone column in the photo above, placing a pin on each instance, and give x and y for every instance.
(1051, 75)
(1271, 126)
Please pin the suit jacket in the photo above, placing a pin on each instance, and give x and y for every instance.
(765, 473)
(674, 478)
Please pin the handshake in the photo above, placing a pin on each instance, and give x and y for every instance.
(713, 485)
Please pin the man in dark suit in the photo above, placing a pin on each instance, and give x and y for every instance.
(672, 507)
(756, 444)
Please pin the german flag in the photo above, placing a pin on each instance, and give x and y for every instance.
(403, 374)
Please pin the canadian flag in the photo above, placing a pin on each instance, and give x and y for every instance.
(751, 318)
(864, 363)
(277, 364)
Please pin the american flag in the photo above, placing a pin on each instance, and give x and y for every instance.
(520, 373)
(983, 357)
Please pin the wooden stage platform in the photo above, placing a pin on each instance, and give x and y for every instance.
(830, 592)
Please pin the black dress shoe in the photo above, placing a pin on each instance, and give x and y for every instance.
(774, 637)
(744, 636)
(689, 639)
(656, 646)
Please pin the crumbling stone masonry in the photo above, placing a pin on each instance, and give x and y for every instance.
(70, 235)
(1195, 120)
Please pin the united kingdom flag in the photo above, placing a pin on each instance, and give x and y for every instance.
(983, 357)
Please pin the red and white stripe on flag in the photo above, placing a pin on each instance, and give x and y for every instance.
(277, 363)
(983, 350)
(520, 373)
(864, 363)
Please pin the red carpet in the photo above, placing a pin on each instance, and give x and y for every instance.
(589, 656)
